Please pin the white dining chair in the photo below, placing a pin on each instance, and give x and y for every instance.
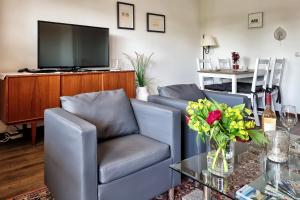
(205, 64)
(224, 63)
(275, 80)
(256, 90)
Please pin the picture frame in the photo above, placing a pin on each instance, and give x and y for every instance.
(255, 20)
(156, 23)
(125, 16)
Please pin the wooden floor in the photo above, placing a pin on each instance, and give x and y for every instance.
(21, 166)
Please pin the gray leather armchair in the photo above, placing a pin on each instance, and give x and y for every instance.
(134, 166)
(177, 96)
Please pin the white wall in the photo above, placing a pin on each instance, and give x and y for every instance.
(174, 52)
(228, 22)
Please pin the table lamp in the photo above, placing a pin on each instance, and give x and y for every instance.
(207, 42)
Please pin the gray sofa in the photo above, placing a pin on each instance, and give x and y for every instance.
(177, 96)
(104, 146)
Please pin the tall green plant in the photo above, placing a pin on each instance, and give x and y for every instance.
(140, 63)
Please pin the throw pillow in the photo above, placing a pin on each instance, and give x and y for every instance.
(109, 111)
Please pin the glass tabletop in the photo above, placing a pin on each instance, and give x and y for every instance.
(251, 167)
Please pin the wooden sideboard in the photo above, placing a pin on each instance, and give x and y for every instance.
(23, 98)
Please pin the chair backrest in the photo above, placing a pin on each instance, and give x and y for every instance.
(261, 70)
(203, 64)
(224, 63)
(276, 72)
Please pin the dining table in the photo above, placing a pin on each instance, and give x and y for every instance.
(234, 75)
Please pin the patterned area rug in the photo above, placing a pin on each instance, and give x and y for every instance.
(43, 193)
(249, 168)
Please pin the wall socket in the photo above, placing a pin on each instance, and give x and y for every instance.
(297, 54)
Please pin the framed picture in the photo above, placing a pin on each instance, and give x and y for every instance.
(125, 12)
(255, 20)
(156, 23)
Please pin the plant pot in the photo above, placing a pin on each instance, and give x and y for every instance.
(236, 66)
(220, 162)
(142, 93)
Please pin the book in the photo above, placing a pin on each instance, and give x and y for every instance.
(248, 192)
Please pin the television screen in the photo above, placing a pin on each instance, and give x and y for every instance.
(66, 45)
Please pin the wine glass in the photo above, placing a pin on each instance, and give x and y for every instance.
(288, 116)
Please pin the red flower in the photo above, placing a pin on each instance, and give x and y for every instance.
(187, 119)
(213, 116)
(235, 56)
(241, 140)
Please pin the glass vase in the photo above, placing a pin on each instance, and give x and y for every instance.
(278, 146)
(235, 65)
(220, 161)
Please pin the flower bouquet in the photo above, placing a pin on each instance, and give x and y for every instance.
(235, 58)
(222, 125)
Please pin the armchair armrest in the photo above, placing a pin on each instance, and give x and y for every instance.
(189, 147)
(161, 123)
(230, 99)
(70, 156)
(174, 103)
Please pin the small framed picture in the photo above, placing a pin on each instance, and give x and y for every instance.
(125, 12)
(156, 23)
(255, 20)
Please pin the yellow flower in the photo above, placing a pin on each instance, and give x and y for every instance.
(249, 112)
(250, 124)
(243, 132)
(205, 128)
(233, 125)
(239, 117)
(241, 124)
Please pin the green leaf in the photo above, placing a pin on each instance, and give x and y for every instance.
(240, 107)
(197, 138)
(140, 64)
(217, 105)
(258, 137)
(205, 111)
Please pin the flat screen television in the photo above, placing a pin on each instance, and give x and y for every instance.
(72, 46)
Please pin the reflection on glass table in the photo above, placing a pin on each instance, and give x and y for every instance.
(251, 167)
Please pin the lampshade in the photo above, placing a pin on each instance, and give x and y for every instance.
(208, 41)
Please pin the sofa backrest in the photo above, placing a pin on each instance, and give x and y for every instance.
(182, 91)
(109, 111)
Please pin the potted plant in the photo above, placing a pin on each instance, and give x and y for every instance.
(140, 64)
(235, 58)
(222, 125)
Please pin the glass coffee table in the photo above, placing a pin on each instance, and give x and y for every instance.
(251, 167)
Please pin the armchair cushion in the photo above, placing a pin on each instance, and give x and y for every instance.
(109, 111)
(122, 156)
(183, 91)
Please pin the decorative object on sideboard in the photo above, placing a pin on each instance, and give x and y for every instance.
(156, 23)
(125, 16)
(280, 34)
(142, 93)
(222, 125)
(140, 64)
(115, 64)
(235, 59)
(255, 20)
